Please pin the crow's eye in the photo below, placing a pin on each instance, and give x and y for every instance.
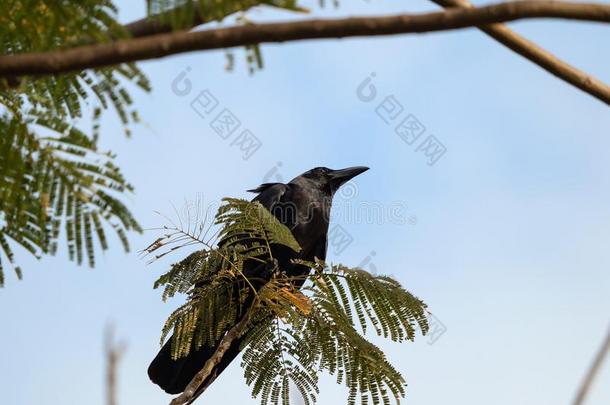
(317, 172)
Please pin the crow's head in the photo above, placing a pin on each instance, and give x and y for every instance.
(328, 180)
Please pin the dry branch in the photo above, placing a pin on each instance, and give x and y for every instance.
(156, 46)
(539, 56)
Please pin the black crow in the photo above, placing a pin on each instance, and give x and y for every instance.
(304, 206)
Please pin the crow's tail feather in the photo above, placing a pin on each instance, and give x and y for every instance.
(174, 375)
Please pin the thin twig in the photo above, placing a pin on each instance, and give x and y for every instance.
(194, 240)
(157, 46)
(539, 55)
(593, 371)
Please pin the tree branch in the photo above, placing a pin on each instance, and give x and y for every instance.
(593, 371)
(519, 44)
(539, 56)
(160, 45)
(205, 376)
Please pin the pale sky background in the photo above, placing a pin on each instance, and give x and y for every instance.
(506, 236)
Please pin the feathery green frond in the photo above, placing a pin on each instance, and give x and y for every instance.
(213, 277)
(49, 25)
(53, 180)
(294, 333)
(393, 311)
(59, 180)
(242, 220)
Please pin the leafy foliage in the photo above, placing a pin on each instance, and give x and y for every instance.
(49, 183)
(294, 332)
(180, 13)
(253, 222)
(53, 179)
(213, 277)
(27, 26)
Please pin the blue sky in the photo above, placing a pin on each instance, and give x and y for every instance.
(505, 236)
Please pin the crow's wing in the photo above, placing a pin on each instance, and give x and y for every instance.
(270, 194)
(263, 187)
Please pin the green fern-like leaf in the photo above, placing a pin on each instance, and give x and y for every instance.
(294, 333)
(57, 181)
(244, 220)
(53, 180)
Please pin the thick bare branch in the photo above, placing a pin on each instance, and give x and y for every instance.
(539, 56)
(156, 46)
(206, 375)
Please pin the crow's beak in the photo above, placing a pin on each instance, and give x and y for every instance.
(339, 177)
